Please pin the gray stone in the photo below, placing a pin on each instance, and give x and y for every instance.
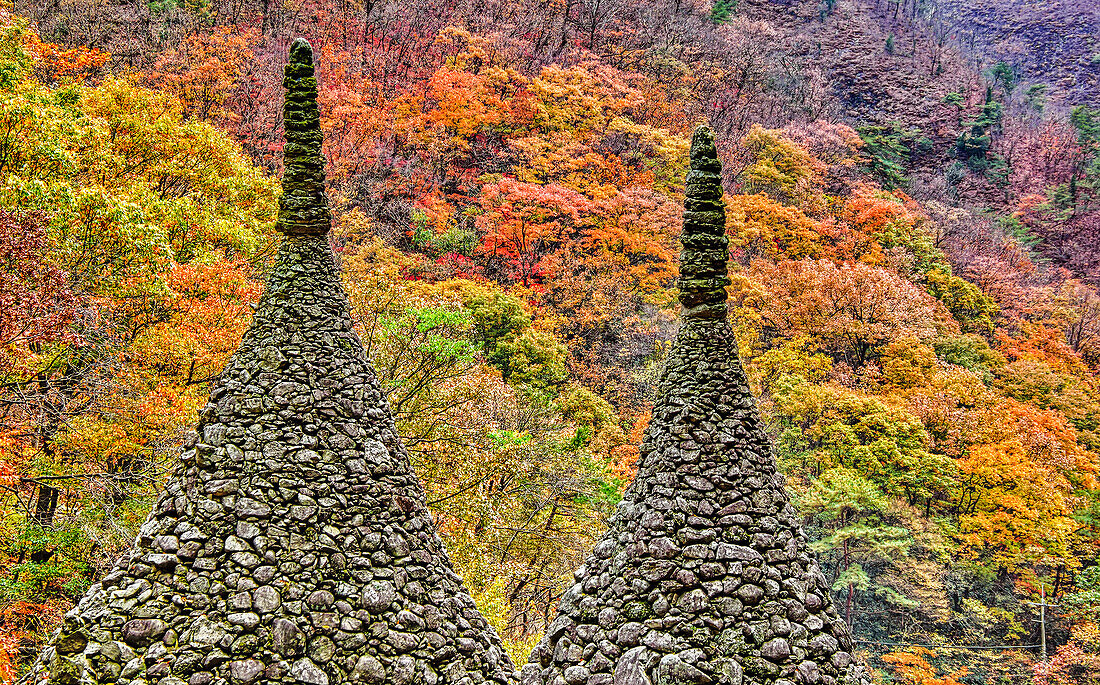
(322, 649)
(321, 598)
(236, 544)
(403, 670)
(629, 633)
(729, 672)
(246, 507)
(808, 673)
(141, 632)
(673, 671)
(305, 671)
(630, 669)
(266, 599)
(70, 642)
(246, 559)
(245, 671)
(246, 530)
(378, 596)
(368, 670)
(659, 641)
(776, 649)
(241, 601)
(169, 544)
(750, 594)
(204, 633)
(693, 602)
(163, 562)
(285, 637)
(247, 619)
(739, 553)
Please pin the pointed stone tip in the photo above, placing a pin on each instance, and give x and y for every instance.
(703, 273)
(303, 208)
(301, 51)
(704, 152)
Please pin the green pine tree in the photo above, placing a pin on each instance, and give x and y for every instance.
(722, 11)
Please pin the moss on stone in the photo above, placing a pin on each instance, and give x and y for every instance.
(303, 208)
(703, 260)
(635, 611)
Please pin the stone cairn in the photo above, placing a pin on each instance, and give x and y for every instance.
(293, 544)
(704, 576)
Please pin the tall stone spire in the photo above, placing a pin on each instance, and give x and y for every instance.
(704, 576)
(705, 254)
(303, 208)
(293, 543)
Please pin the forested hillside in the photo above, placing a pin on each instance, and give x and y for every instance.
(915, 248)
(1052, 42)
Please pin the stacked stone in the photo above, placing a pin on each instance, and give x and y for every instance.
(704, 575)
(293, 544)
(703, 274)
(303, 208)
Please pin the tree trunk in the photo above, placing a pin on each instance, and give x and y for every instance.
(46, 505)
(851, 592)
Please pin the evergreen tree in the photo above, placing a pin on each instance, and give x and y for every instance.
(722, 11)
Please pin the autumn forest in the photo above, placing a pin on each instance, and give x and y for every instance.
(914, 229)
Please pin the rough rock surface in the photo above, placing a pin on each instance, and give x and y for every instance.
(293, 544)
(704, 575)
(303, 208)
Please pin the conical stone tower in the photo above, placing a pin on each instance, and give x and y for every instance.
(293, 545)
(704, 575)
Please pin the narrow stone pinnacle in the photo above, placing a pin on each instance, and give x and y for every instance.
(703, 275)
(303, 209)
(301, 51)
(704, 576)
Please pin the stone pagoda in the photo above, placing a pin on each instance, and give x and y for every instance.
(704, 576)
(293, 543)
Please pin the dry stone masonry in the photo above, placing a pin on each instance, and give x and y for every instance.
(293, 544)
(704, 576)
(303, 208)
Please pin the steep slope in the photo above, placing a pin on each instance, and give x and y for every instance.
(1056, 42)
